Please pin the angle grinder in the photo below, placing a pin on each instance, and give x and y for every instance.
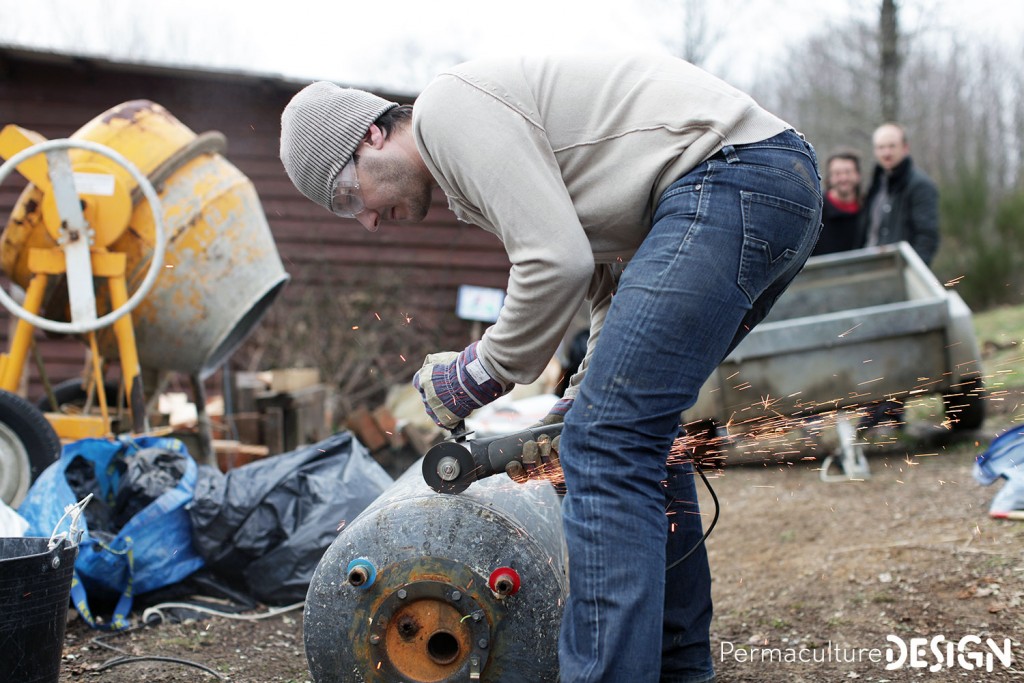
(452, 465)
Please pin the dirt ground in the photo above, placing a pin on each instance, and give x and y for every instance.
(803, 570)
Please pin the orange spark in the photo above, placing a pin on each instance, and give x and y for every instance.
(850, 330)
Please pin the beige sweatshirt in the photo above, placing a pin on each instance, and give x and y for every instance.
(564, 159)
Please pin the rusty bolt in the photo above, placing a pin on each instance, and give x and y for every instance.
(456, 596)
(374, 639)
(482, 643)
(402, 594)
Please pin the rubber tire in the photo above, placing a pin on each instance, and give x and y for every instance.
(71, 391)
(33, 430)
(969, 411)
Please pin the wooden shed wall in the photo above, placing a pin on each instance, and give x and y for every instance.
(55, 95)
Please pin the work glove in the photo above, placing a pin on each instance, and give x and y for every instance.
(453, 385)
(540, 457)
(557, 412)
(540, 460)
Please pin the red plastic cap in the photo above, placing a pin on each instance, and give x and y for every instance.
(504, 581)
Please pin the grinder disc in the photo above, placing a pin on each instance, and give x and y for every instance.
(449, 468)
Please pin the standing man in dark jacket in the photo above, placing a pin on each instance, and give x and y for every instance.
(902, 203)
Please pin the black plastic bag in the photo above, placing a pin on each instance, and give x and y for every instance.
(266, 525)
(150, 473)
(81, 477)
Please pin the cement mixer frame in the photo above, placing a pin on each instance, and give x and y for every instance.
(82, 255)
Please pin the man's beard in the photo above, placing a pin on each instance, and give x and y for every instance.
(403, 182)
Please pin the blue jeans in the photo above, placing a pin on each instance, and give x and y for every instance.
(726, 240)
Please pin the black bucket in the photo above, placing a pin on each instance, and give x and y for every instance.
(35, 589)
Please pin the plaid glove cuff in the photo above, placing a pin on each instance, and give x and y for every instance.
(561, 407)
(454, 385)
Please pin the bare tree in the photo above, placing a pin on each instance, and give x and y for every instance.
(693, 28)
(889, 60)
(957, 98)
(698, 35)
(821, 89)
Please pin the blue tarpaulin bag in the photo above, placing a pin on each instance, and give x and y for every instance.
(1004, 459)
(151, 550)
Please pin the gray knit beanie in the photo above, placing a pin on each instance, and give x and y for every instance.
(320, 129)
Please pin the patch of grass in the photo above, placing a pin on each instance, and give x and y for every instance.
(836, 622)
(999, 562)
(927, 408)
(882, 598)
(182, 642)
(191, 641)
(1000, 334)
(1003, 325)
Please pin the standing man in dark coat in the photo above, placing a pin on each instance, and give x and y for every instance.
(902, 203)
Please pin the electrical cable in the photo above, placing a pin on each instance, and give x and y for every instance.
(117, 661)
(714, 520)
(157, 611)
(128, 659)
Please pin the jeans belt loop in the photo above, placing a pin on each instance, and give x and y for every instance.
(728, 154)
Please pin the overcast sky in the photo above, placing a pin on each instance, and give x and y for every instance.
(400, 44)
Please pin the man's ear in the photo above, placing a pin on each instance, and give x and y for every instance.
(374, 137)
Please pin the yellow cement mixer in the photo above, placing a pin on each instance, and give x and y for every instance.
(138, 235)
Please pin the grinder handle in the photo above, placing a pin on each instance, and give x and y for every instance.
(493, 453)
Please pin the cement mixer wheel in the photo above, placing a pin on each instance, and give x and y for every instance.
(28, 445)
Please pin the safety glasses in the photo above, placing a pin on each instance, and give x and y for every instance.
(347, 200)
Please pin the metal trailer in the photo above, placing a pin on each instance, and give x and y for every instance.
(853, 329)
